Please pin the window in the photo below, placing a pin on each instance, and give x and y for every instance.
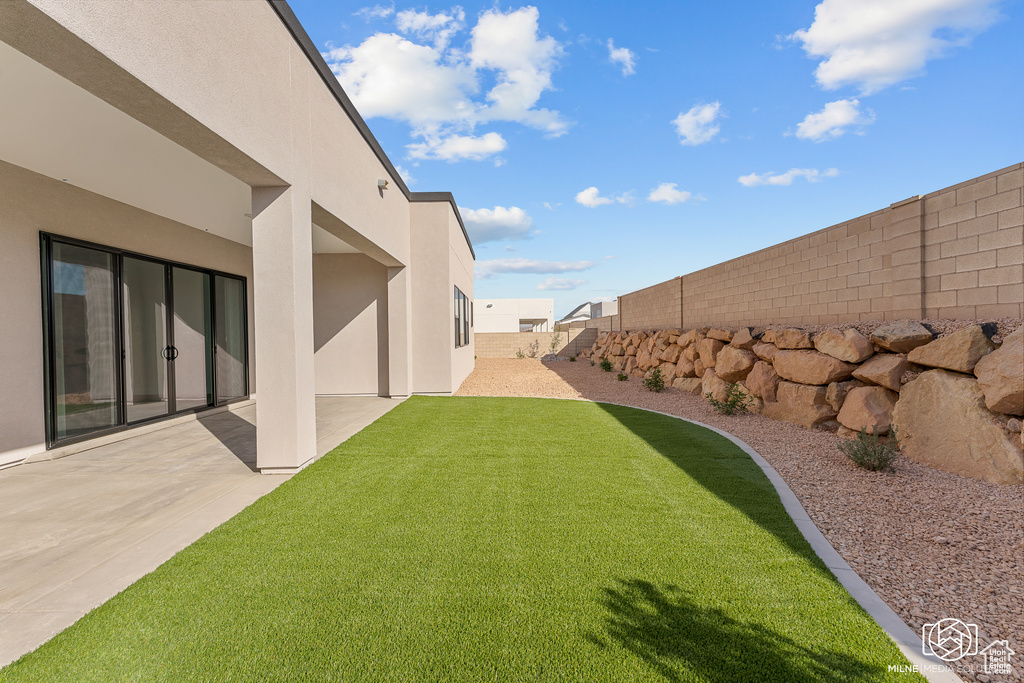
(130, 338)
(462, 318)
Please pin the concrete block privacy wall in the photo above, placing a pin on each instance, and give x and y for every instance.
(506, 344)
(954, 253)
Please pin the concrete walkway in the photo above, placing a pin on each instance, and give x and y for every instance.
(76, 531)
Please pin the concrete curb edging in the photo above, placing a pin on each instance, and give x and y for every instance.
(931, 667)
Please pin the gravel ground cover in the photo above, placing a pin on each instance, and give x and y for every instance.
(932, 544)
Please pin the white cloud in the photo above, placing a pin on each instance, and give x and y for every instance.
(812, 175)
(420, 79)
(560, 284)
(375, 12)
(406, 176)
(438, 28)
(669, 194)
(876, 43)
(488, 269)
(622, 56)
(457, 147)
(499, 223)
(591, 198)
(698, 126)
(833, 120)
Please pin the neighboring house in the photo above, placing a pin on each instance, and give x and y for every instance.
(590, 310)
(515, 315)
(193, 210)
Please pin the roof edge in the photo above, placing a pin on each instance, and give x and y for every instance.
(291, 22)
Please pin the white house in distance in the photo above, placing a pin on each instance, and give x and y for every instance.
(193, 210)
(590, 310)
(514, 315)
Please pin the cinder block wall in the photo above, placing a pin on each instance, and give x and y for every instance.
(653, 307)
(506, 344)
(954, 253)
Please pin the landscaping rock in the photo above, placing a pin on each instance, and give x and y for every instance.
(689, 337)
(743, 339)
(734, 364)
(630, 365)
(754, 403)
(868, 408)
(901, 336)
(847, 345)
(763, 381)
(668, 372)
(714, 385)
(691, 385)
(811, 367)
(765, 351)
(645, 360)
(671, 353)
(690, 353)
(800, 404)
(836, 392)
(721, 335)
(685, 368)
(1001, 376)
(943, 422)
(618, 350)
(960, 351)
(884, 369)
(793, 339)
(699, 368)
(708, 350)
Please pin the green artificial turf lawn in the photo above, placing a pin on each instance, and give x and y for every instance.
(479, 539)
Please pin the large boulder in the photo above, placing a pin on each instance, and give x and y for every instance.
(743, 339)
(901, 336)
(763, 381)
(884, 369)
(721, 335)
(668, 372)
(1001, 376)
(800, 404)
(754, 404)
(848, 345)
(868, 408)
(791, 338)
(699, 367)
(714, 385)
(836, 392)
(671, 353)
(645, 360)
(630, 365)
(708, 350)
(942, 421)
(959, 351)
(734, 364)
(765, 351)
(691, 385)
(689, 337)
(618, 350)
(811, 367)
(685, 368)
(690, 353)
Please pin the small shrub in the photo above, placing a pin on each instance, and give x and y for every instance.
(520, 355)
(622, 377)
(556, 341)
(606, 365)
(654, 381)
(592, 363)
(735, 401)
(572, 359)
(871, 451)
(533, 348)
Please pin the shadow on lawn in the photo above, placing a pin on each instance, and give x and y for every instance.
(675, 635)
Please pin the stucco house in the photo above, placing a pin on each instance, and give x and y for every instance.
(194, 215)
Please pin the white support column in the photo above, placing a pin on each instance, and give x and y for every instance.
(399, 332)
(282, 256)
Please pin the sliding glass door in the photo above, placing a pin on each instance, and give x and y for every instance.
(131, 338)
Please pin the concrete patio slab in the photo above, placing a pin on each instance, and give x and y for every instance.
(77, 530)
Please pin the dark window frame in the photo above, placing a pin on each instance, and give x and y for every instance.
(46, 241)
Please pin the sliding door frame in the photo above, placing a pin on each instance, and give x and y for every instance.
(46, 241)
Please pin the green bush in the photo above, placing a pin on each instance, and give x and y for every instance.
(871, 451)
(606, 365)
(591, 363)
(735, 401)
(572, 359)
(654, 381)
(622, 377)
(520, 355)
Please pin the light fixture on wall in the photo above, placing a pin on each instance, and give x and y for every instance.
(490, 305)
(382, 185)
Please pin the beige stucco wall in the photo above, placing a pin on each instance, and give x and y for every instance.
(954, 253)
(350, 331)
(507, 344)
(30, 204)
(460, 268)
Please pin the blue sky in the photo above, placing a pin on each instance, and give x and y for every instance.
(709, 130)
